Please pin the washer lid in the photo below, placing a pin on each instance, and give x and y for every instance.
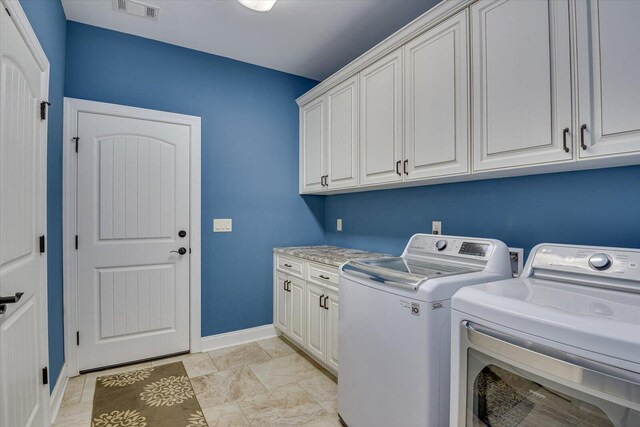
(403, 272)
(594, 319)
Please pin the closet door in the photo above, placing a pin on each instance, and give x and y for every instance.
(437, 101)
(609, 87)
(312, 143)
(381, 121)
(342, 135)
(521, 83)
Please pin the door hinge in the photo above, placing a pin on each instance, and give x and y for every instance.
(76, 242)
(76, 139)
(45, 375)
(8, 13)
(77, 338)
(43, 109)
(42, 244)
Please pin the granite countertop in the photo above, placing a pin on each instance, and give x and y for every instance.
(330, 255)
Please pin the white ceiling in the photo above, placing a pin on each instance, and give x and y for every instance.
(311, 38)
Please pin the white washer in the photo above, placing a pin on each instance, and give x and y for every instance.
(394, 328)
(559, 346)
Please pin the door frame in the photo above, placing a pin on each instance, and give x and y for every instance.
(19, 18)
(72, 107)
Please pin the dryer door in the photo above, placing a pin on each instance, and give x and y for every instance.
(513, 382)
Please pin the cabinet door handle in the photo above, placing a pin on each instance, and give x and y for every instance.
(324, 277)
(582, 144)
(284, 285)
(406, 164)
(288, 285)
(398, 167)
(326, 307)
(564, 140)
(320, 300)
(326, 180)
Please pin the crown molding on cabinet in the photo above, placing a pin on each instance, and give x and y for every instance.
(431, 18)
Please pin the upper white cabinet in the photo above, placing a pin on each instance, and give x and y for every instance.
(521, 66)
(436, 101)
(381, 154)
(312, 145)
(608, 82)
(342, 136)
(480, 88)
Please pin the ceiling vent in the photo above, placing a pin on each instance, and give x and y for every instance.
(136, 8)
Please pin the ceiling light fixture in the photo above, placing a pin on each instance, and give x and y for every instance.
(259, 5)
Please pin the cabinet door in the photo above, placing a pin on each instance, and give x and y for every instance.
(316, 321)
(342, 135)
(609, 87)
(297, 319)
(437, 101)
(312, 142)
(521, 82)
(381, 121)
(281, 315)
(332, 330)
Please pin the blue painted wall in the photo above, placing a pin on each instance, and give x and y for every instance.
(249, 155)
(598, 207)
(50, 25)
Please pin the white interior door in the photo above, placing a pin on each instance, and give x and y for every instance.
(23, 397)
(133, 204)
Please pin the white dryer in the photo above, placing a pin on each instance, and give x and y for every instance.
(394, 328)
(559, 346)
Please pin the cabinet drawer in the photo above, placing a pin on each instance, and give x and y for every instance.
(321, 274)
(290, 265)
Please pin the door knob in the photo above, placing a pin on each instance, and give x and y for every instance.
(180, 251)
(9, 300)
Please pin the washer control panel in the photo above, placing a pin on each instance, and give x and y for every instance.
(426, 244)
(609, 262)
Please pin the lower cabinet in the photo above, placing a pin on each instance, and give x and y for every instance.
(306, 312)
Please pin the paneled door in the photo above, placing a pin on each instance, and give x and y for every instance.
(381, 121)
(316, 321)
(521, 68)
(609, 87)
(24, 398)
(133, 239)
(342, 135)
(437, 101)
(312, 137)
(297, 330)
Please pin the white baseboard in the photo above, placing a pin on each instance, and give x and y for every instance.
(228, 339)
(55, 400)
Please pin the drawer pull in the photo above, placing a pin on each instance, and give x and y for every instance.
(288, 265)
(324, 277)
(326, 307)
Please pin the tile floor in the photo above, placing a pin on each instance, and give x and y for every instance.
(265, 383)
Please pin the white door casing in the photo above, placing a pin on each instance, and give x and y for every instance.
(521, 71)
(24, 77)
(381, 121)
(608, 84)
(437, 101)
(138, 183)
(342, 135)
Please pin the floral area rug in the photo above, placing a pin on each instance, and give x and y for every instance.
(154, 397)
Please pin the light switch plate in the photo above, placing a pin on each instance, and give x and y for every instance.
(339, 224)
(436, 227)
(222, 225)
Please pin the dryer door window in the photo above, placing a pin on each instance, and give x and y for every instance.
(502, 395)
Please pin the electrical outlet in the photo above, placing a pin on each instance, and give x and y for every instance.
(339, 224)
(436, 227)
(222, 225)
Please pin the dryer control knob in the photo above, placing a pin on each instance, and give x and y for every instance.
(600, 261)
(441, 245)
